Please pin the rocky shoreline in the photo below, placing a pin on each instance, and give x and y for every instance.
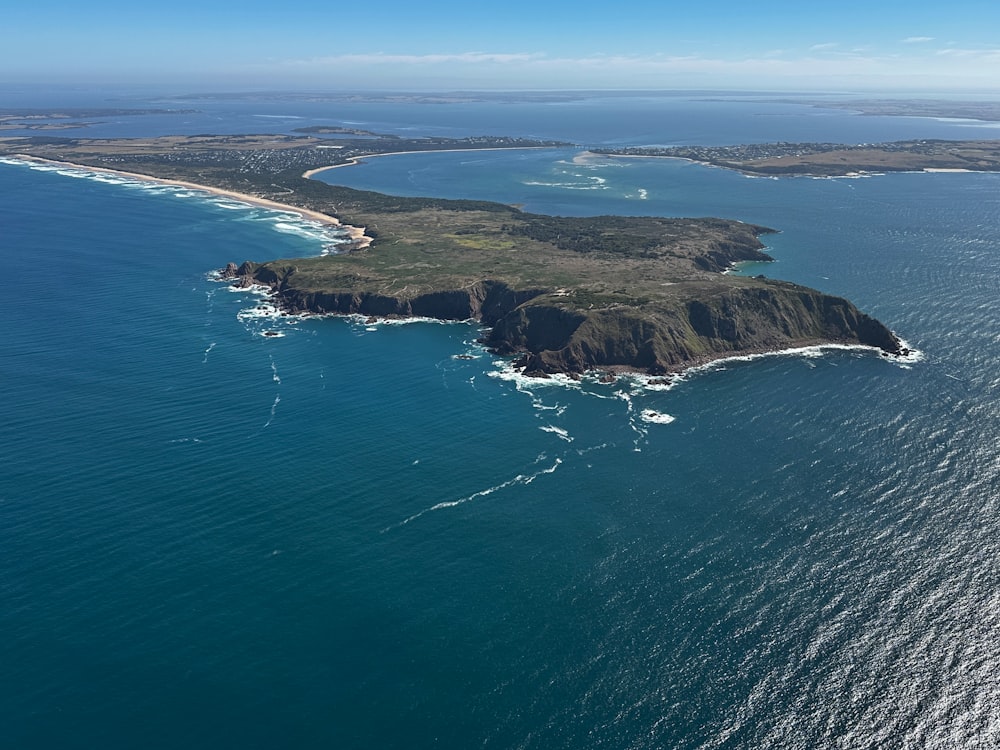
(549, 337)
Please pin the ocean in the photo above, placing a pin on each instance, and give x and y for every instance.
(376, 536)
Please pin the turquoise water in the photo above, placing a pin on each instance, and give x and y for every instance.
(354, 536)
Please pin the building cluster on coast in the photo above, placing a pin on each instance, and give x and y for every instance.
(780, 149)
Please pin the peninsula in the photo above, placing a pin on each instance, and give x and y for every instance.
(832, 159)
(565, 295)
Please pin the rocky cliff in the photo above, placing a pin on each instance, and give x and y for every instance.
(563, 332)
(666, 338)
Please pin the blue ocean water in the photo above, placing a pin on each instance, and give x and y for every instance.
(354, 536)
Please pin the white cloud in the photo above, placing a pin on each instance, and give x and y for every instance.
(979, 55)
(850, 69)
(917, 39)
(824, 46)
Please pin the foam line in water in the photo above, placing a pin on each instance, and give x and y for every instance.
(520, 479)
(633, 422)
(558, 431)
(274, 409)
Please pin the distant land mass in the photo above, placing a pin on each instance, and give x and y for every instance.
(337, 130)
(457, 97)
(944, 108)
(564, 295)
(65, 119)
(832, 159)
(972, 110)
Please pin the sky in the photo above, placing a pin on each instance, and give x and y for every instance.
(876, 45)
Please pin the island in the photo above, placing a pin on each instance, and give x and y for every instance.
(831, 159)
(564, 295)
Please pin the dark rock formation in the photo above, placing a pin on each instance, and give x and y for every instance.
(667, 338)
(554, 335)
(720, 256)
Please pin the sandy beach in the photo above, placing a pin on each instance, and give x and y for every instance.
(357, 234)
(354, 161)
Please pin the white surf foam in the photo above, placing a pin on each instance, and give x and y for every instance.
(232, 205)
(274, 409)
(558, 431)
(656, 417)
(906, 361)
(302, 229)
(505, 370)
(330, 238)
(520, 479)
(263, 311)
(567, 185)
(373, 322)
(808, 352)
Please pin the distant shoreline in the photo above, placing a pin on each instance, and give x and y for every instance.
(747, 173)
(357, 234)
(356, 160)
(827, 159)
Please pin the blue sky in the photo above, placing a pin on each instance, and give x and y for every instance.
(439, 44)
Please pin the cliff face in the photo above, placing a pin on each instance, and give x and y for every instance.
(721, 255)
(555, 334)
(485, 301)
(668, 338)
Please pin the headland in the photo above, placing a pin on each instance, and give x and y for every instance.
(564, 295)
(831, 159)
